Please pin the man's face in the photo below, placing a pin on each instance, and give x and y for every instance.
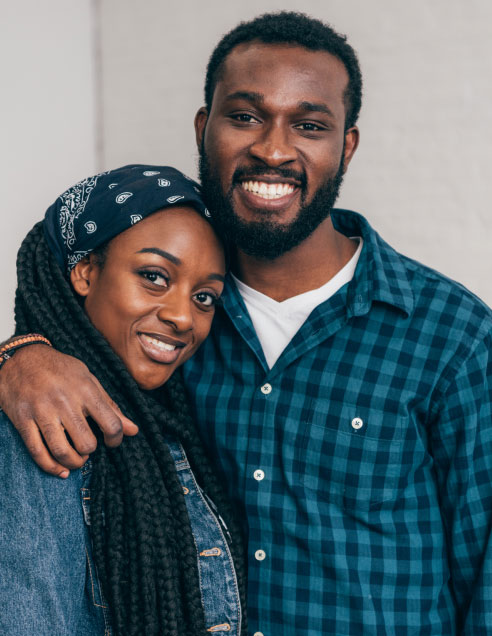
(274, 147)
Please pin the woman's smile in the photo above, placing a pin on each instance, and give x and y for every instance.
(161, 348)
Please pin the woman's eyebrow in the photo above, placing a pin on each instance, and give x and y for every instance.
(174, 259)
(159, 252)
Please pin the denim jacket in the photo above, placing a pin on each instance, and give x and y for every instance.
(48, 582)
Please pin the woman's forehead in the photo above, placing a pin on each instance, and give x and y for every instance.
(178, 230)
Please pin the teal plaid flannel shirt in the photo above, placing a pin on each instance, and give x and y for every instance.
(362, 461)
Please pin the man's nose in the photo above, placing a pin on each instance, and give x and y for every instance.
(177, 310)
(274, 146)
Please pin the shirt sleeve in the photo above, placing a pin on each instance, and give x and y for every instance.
(462, 449)
(42, 545)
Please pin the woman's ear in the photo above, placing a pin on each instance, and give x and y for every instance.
(81, 276)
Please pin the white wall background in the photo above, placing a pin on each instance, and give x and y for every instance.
(94, 85)
(47, 118)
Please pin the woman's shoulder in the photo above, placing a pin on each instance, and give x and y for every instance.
(35, 505)
(20, 474)
(44, 547)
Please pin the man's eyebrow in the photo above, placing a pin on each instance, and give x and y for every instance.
(250, 96)
(159, 252)
(218, 277)
(258, 98)
(316, 107)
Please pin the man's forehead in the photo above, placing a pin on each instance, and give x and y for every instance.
(256, 50)
(283, 64)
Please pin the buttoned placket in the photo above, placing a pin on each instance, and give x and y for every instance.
(261, 449)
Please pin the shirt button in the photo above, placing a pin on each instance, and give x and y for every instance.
(259, 475)
(266, 389)
(260, 555)
(357, 423)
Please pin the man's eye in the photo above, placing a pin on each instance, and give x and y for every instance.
(309, 126)
(155, 277)
(206, 299)
(244, 118)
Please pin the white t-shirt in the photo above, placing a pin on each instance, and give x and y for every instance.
(276, 323)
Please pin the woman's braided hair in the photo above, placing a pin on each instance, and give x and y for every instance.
(142, 540)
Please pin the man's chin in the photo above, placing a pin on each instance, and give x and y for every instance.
(264, 239)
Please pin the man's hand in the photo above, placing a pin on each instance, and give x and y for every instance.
(47, 395)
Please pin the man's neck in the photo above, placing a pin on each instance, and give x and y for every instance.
(308, 266)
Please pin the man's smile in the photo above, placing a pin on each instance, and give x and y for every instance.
(267, 196)
(268, 190)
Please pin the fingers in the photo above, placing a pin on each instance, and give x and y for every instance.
(128, 427)
(108, 416)
(81, 435)
(49, 445)
(49, 408)
(31, 435)
(59, 446)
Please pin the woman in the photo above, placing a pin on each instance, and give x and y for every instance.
(123, 273)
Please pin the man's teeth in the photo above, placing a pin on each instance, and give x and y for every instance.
(268, 190)
(158, 343)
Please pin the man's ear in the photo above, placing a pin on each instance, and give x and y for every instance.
(351, 143)
(200, 122)
(81, 276)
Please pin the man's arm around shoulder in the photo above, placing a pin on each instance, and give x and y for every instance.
(47, 394)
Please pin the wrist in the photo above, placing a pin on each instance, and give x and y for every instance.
(10, 346)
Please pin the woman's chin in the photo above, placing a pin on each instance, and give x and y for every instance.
(151, 381)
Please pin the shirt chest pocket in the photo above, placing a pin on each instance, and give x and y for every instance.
(353, 459)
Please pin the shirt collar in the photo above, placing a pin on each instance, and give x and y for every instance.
(380, 274)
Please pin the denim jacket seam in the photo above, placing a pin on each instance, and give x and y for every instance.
(231, 561)
(92, 583)
(86, 472)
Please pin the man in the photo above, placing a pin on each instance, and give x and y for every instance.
(345, 391)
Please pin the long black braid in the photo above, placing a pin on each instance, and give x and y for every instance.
(142, 540)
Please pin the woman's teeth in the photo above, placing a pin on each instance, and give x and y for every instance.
(158, 343)
(267, 190)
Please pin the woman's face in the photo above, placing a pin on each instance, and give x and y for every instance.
(154, 296)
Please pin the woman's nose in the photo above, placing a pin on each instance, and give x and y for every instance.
(177, 310)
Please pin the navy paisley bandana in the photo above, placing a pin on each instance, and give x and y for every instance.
(98, 208)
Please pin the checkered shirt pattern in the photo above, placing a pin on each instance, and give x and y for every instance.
(373, 431)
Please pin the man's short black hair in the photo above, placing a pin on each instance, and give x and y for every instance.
(289, 27)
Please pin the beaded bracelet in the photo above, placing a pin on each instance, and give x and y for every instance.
(7, 350)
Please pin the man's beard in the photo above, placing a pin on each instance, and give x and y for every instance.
(266, 239)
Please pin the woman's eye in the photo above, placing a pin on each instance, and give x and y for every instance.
(206, 299)
(155, 277)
